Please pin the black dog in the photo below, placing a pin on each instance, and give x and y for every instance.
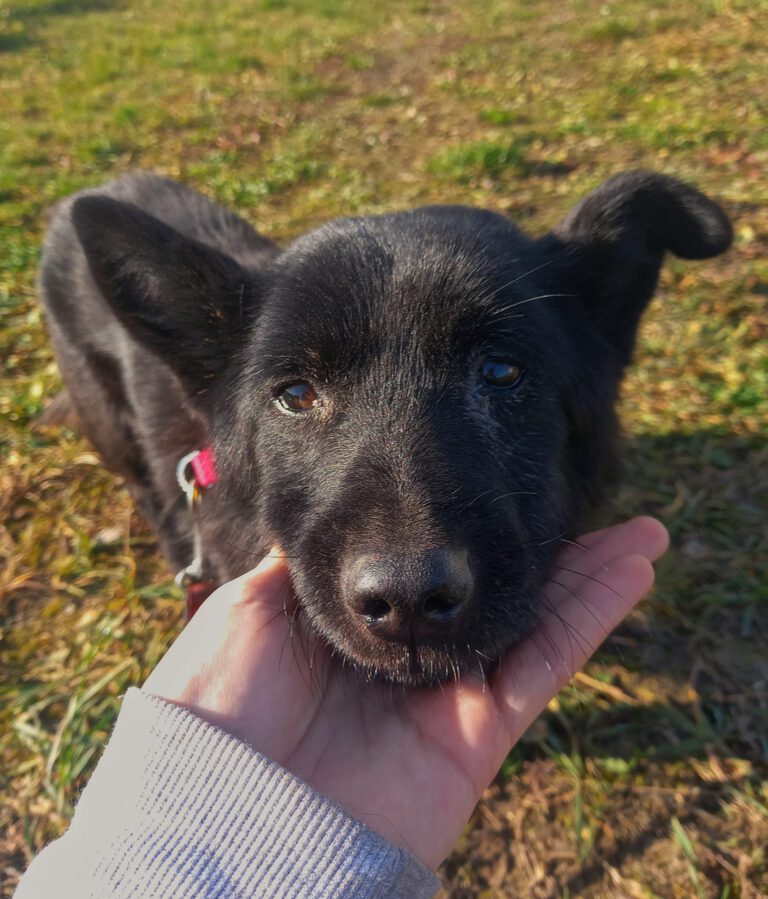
(413, 406)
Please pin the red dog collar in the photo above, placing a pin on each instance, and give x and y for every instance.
(204, 467)
(197, 593)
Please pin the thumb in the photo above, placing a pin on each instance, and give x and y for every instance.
(266, 585)
(233, 618)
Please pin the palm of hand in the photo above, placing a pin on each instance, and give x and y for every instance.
(411, 765)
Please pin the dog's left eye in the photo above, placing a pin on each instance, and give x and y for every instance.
(297, 398)
(501, 374)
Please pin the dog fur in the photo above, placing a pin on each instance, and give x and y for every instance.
(459, 377)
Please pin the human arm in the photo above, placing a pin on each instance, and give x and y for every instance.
(410, 768)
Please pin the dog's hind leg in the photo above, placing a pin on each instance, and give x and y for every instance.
(59, 412)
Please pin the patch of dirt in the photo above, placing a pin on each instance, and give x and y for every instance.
(525, 839)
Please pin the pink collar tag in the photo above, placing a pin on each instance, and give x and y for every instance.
(204, 467)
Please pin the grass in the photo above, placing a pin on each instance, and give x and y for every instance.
(649, 775)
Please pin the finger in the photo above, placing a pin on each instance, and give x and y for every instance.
(244, 615)
(649, 531)
(586, 558)
(267, 586)
(643, 521)
(538, 668)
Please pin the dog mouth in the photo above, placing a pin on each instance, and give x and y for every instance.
(412, 663)
(418, 665)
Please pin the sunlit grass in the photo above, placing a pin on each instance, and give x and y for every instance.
(295, 111)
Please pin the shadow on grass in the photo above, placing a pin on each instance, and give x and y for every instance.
(14, 41)
(20, 23)
(691, 660)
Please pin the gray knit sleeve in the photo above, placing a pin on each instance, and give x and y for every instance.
(178, 808)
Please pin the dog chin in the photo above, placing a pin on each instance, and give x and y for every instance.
(422, 666)
(415, 665)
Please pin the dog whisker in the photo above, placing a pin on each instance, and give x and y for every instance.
(570, 667)
(582, 602)
(536, 639)
(483, 678)
(570, 629)
(542, 296)
(585, 549)
(478, 498)
(514, 493)
(539, 542)
(519, 278)
(589, 577)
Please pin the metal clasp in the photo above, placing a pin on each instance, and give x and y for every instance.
(187, 480)
(191, 574)
(191, 489)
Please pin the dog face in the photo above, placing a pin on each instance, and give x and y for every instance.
(415, 406)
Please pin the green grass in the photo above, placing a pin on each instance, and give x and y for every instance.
(649, 775)
(467, 163)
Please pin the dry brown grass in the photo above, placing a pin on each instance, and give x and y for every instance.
(648, 777)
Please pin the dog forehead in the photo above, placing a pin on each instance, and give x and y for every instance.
(421, 278)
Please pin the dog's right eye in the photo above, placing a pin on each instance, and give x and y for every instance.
(501, 374)
(297, 398)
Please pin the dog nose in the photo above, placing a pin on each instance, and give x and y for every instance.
(407, 598)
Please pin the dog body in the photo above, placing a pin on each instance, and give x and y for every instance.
(414, 406)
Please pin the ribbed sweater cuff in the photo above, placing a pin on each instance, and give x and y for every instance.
(178, 808)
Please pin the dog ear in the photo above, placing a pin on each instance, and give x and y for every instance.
(613, 244)
(180, 298)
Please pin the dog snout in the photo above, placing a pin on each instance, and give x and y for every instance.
(409, 598)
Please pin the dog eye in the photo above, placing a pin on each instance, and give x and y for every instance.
(297, 398)
(497, 373)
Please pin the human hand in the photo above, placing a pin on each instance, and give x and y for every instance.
(411, 765)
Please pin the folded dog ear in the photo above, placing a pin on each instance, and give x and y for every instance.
(180, 298)
(615, 239)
